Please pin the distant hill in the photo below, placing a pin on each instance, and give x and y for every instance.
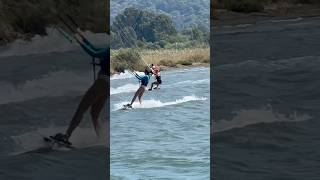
(184, 13)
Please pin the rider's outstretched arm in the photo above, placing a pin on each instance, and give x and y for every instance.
(92, 51)
(86, 42)
(137, 76)
(89, 48)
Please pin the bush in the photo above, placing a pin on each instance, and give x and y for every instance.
(127, 59)
(206, 60)
(152, 46)
(168, 63)
(119, 66)
(185, 63)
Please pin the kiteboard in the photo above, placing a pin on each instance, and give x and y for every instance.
(126, 107)
(49, 145)
(155, 88)
(54, 143)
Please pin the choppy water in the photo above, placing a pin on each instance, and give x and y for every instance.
(266, 101)
(167, 136)
(41, 84)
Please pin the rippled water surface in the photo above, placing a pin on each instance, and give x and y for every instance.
(167, 136)
(266, 101)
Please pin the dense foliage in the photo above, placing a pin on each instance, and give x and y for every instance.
(184, 13)
(148, 30)
(126, 59)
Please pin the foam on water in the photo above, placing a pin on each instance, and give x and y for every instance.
(133, 87)
(152, 103)
(193, 82)
(44, 86)
(288, 20)
(244, 118)
(124, 89)
(53, 42)
(81, 138)
(125, 75)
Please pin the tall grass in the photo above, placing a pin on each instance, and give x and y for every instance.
(169, 57)
(128, 59)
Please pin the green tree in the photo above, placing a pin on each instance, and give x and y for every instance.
(135, 25)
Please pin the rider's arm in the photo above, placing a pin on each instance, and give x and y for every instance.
(137, 76)
(89, 48)
(94, 52)
(86, 42)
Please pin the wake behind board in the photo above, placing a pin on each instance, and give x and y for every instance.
(50, 145)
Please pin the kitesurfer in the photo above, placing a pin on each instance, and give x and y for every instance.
(144, 83)
(96, 95)
(156, 72)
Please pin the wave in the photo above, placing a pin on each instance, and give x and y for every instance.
(53, 42)
(133, 87)
(237, 26)
(68, 82)
(125, 75)
(157, 103)
(288, 20)
(194, 82)
(280, 66)
(81, 138)
(124, 89)
(244, 118)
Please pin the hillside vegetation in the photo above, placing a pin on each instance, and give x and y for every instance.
(143, 29)
(184, 13)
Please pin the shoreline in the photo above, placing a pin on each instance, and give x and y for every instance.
(194, 65)
(273, 12)
(168, 68)
(164, 58)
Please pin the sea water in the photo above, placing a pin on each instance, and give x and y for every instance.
(167, 136)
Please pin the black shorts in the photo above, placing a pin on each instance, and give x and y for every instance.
(158, 78)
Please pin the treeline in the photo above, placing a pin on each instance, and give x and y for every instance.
(24, 19)
(184, 13)
(144, 29)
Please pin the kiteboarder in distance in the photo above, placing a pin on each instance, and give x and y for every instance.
(156, 72)
(96, 95)
(144, 83)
